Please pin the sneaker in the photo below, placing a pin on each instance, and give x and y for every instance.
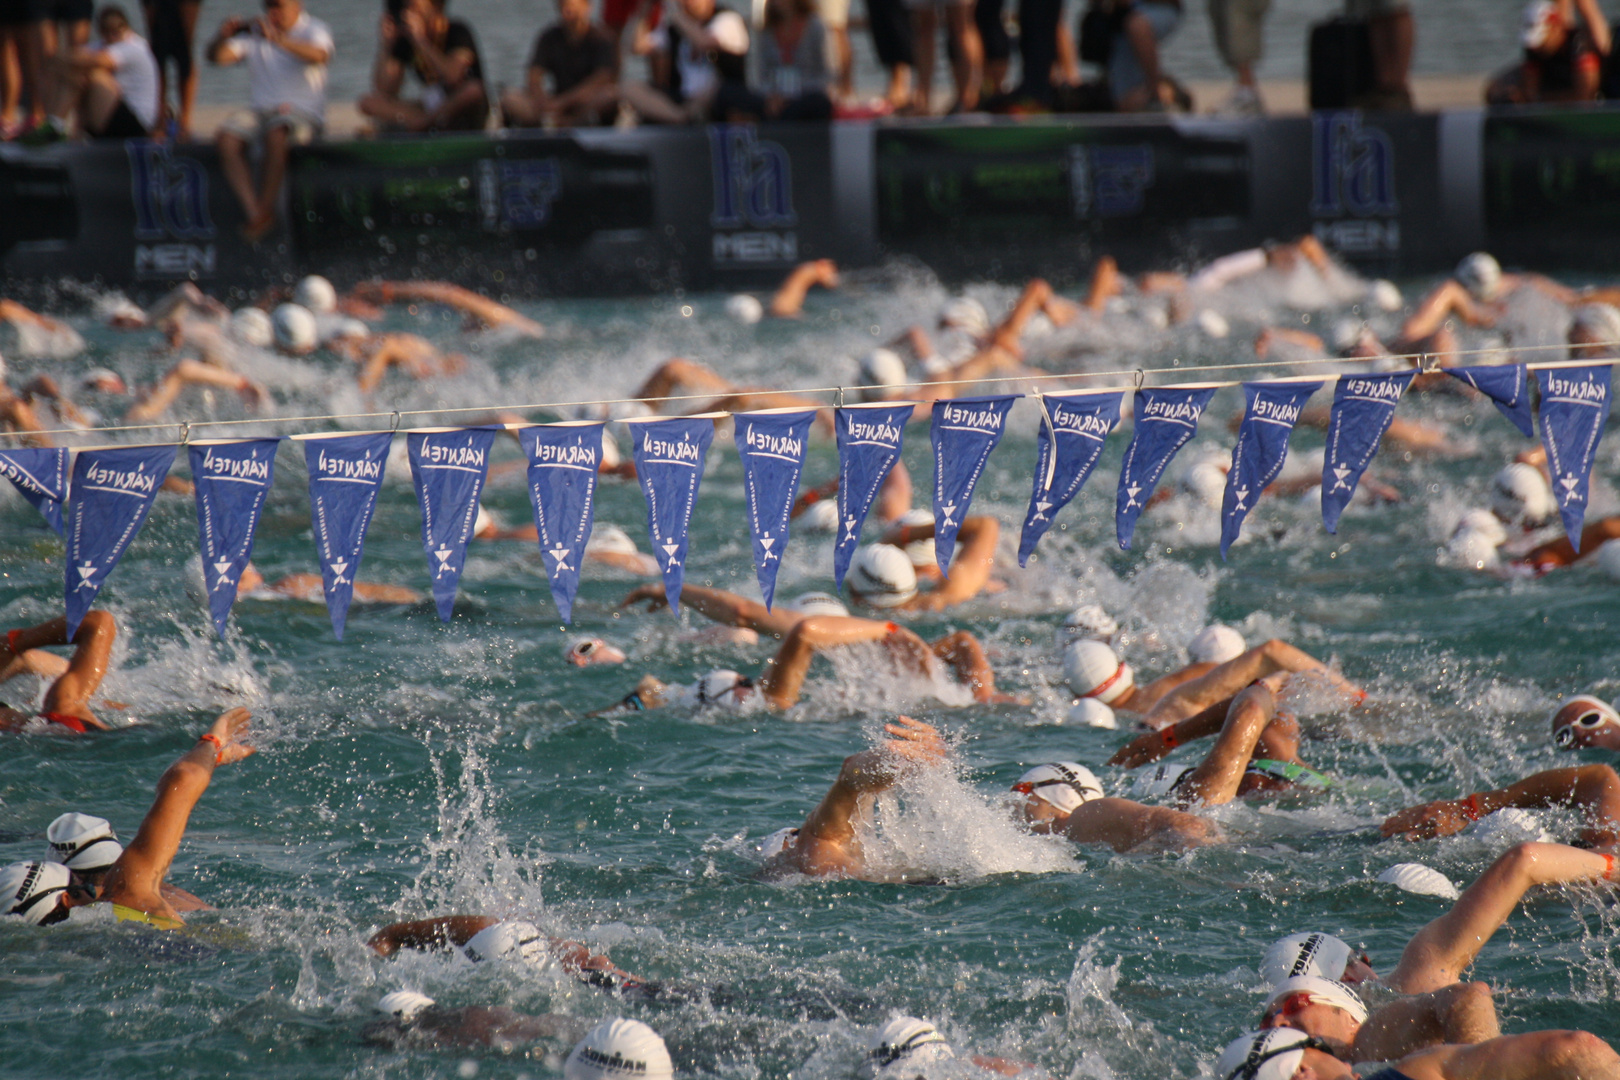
(1245, 101)
(50, 131)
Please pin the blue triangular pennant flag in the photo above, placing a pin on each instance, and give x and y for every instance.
(112, 493)
(345, 474)
(1270, 411)
(1073, 430)
(962, 432)
(869, 440)
(448, 467)
(40, 473)
(231, 479)
(1166, 417)
(563, 462)
(1506, 385)
(669, 463)
(1574, 410)
(772, 446)
(1363, 406)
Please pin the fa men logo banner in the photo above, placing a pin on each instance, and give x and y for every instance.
(112, 493)
(1074, 427)
(1574, 410)
(232, 479)
(448, 466)
(1270, 411)
(1508, 387)
(40, 473)
(1363, 406)
(563, 463)
(963, 432)
(669, 463)
(772, 446)
(345, 474)
(869, 440)
(1166, 417)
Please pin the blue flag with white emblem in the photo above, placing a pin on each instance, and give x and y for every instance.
(669, 463)
(1270, 411)
(563, 460)
(1166, 417)
(1363, 406)
(231, 479)
(1508, 387)
(40, 473)
(345, 474)
(448, 467)
(772, 446)
(112, 493)
(1574, 410)
(869, 441)
(1073, 429)
(962, 432)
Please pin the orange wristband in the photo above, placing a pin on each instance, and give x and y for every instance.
(219, 752)
(11, 641)
(1608, 868)
(1472, 808)
(893, 628)
(1169, 736)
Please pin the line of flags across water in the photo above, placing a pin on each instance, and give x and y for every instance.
(113, 488)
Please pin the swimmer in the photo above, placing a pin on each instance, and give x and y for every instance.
(828, 844)
(1585, 721)
(484, 937)
(730, 609)
(619, 1049)
(1224, 680)
(882, 575)
(376, 353)
(1593, 790)
(608, 545)
(411, 1019)
(1559, 553)
(788, 303)
(17, 415)
(73, 681)
(1290, 1054)
(481, 312)
(39, 337)
(1088, 622)
(1064, 798)
(155, 402)
(87, 845)
(134, 884)
(312, 590)
(718, 394)
(913, 533)
(893, 497)
(588, 652)
(906, 1043)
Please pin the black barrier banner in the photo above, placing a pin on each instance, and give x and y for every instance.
(1551, 186)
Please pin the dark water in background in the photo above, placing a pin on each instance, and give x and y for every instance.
(421, 769)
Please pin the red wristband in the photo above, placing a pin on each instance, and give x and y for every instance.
(1608, 868)
(11, 641)
(893, 628)
(1168, 734)
(219, 752)
(1472, 808)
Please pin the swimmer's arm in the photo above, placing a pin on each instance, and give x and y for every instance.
(1560, 552)
(1437, 955)
(970, 569)
(1215, 780)
(1595, 789)
(784, 675)
(1535, 1055)
(1462, 1013)
(789, 299)
(868, 773)
(1146, 749)
(723, 607)
(894, 496)
(1226, 679)
(1447, 299)
(1105, 284)
(445, 932)
(1540, 282)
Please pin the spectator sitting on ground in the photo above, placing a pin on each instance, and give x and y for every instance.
(699, 48)
(1563, 56)
(966, 52)
(441, 53)
(286, 53)
(792, 69)
(580, 58)
(113, 89)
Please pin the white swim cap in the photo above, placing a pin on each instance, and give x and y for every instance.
(251, 326)
(778, 842)
(965, 313)
(1384, 295)
(906, 1038)
(620, 1049)
(715, 689)
(881, 369)
(337, 327)
(403, 1005)
(745, 309)
(83, 842)
(1582, 711)
(1600, 321)
(509, 940)
(1093, 670)
(1346, 332)
(484, 520)
(920, 552)
(1213, 324)
(317, 294)
(1306, 954)
(1216, 644)
(1157, 781)
(32, 890)
(1274, 1054)
(1483, 521)
(1089, 712)
(1608, 558)
(1206, 482)
(1520, 495)
(1323, 992)
(1416, 878)
(611, 458)
(295, 329)
(817, 603)
(881, 575)
(1067, 785)
(102, 380)
(1474, 548)
(610, 540)
(1089, 622)
(730, 33)
(820, 517)
(1481, 275)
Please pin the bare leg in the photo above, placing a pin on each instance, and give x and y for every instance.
(275, 168)
(233, 160)
(189, 9)
(70, 693)
(925, 39)
(968, 65)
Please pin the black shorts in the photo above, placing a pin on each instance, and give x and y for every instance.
(67, 11)
(122, 124)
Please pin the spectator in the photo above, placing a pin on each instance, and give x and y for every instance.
(580, 59)
(700, 47)
(1038, 49)
(1239, 32)
(967, 52)
(10, 74)
(441, 53)
(1563, 56)
(835, 18)
(113, 88)
(995, 43)
(792, 69)
(20, 41)
(286, 53)
(890, 26)
(61, 28)
(1389, 35)
(172, 27)
(1135, 80)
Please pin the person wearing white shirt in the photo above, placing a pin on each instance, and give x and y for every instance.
(286, 52)
(113, 88)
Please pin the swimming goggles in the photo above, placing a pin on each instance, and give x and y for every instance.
(889, 1053)
(1590, 720)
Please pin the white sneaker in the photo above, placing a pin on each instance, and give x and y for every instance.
(1245, 101)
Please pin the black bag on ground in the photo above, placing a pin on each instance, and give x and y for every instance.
(1341, 67)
